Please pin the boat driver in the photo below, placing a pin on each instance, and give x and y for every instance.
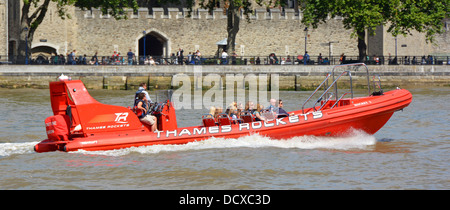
(143, 89)
(145, 117)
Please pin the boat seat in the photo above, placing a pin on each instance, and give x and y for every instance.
(208, 120)
(223, 119)
(237, 121)
(269, 115)
(247, 117)
(282, 115)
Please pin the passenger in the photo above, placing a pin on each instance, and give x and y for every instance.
(249, 106)
(232, 106)
(240, 109)
(218, 111)
(232, 111)
(212, 111)
(145, 117)
(142, 89)
(272, 107)
(281, 112)
(257, 113)
(234, 114)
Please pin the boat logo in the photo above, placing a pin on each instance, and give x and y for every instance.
(121, 117)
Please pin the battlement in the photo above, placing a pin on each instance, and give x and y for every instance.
(198, 14)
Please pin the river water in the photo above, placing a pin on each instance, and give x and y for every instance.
(410, 152)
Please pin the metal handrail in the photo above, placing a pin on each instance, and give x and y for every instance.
(351, 83)
(377, 83)
(337, 101)
(239, 60)
(334, 82)
(325, 80)
(324, 103)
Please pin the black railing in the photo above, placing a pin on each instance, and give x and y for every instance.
(230, 60)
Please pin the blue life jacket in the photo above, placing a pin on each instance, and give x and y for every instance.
(136, 96)
(144, 105)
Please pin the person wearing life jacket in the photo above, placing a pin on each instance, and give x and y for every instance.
(142, 89)
(144, 116)
(272, 107)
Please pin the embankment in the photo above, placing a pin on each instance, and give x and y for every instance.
(286, 77)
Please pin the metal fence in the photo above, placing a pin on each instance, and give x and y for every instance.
(230, 60)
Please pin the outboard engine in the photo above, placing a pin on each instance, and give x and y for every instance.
(57, 128)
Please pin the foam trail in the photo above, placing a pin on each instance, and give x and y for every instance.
(7, 149)
(354, 140)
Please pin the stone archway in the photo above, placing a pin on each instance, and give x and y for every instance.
(154, 43)
(43, 50)
(42, 54)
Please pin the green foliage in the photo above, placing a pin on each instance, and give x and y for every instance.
(233, 8)
(34, 11)
(421, 15)
(245, 5)
(400, 15)
(115, 8)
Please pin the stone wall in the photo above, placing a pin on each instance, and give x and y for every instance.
(3, 29)
(88, 32)
(415, 44)
(267, 32)
(275, 31)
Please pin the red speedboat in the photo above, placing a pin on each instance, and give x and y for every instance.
(82, 123)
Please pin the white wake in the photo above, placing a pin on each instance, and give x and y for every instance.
(355, 140)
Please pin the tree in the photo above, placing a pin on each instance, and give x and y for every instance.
(233, 9)
(402, 16)
(34, 11)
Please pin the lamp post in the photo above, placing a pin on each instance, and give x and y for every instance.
(306, 38)
(396, 59)
(26, 46)
(145, 37)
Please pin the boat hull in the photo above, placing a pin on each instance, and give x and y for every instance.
(368, 114)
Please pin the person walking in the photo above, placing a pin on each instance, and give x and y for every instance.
(130, 55)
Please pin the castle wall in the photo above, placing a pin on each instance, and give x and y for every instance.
(89, 32)
(267, 32)
(3, 29)
(60, 34)
(415, 43)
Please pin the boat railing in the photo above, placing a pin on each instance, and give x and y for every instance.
(356, 65)
(315, 91)
(324, 103)
(326, 91)
(328, 95)
(329, 87)
(377, 84)
(337, 101)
